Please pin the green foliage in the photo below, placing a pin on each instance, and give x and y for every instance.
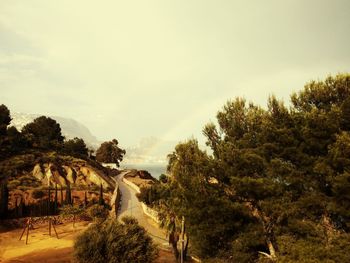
(38, 194)
(4, 199)
(277, 182)
(75, 147)
(109, 152)
(69, 199)
(5, 119)
(114, 242)
(98, 212)
(163, 178)
(13, 184)
(101, 200)
(150, 195)
(28, 180)
(70, 210)
(44, 133)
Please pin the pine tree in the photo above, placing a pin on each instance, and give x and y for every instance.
(101, 201)
(85, 200)
(21, 208)
(56, 199)
(61, 190)
(49, 201)
(16, 208)
(4, 200)
(68, 195)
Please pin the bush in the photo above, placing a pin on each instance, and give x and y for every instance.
(163, 178)
(114, 242)
(98, 212)
(13, 184)
(27, 180)
(37, 194)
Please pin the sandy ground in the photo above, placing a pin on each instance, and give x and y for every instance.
(40, 244)
(43, 248)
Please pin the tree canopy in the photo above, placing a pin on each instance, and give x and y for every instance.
(109, 152)
(75, 147)
(276, 184)
(44, 133)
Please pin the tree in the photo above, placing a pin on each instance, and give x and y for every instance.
(85, 200)
(114, 242)
(98, 212)
(70, 210)
(38, 194)
(44, 133)
(68, 195)
(4, 198)
(109, 152)
(56, 200)
(277, 181)
(101, 201)
(5, 119)
(75, 147)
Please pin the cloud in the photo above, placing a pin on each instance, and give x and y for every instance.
(132, 69)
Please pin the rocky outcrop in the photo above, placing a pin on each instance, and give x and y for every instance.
(75, 173)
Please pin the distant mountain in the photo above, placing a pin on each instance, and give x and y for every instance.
(70, 128)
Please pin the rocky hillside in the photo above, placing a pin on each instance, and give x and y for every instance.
(48, 169)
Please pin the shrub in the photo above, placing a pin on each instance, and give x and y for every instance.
(114, 242)
(13, 184)
(37, 194)
(98, 212)
(72, 211)
(27, 180)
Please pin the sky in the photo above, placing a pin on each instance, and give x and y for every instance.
(134, 69)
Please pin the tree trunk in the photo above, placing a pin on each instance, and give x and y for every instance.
(271, 248)
(267, 225)
(186, 246)
(176, 252)
(173, 242)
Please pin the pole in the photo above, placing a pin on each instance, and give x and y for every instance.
(27, 233)
(182, 238)
(49, 226)
(54, 228)
(24, 230)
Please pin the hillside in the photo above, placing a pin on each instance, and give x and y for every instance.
(49, 168)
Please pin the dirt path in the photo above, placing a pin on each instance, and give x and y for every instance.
(40, 244)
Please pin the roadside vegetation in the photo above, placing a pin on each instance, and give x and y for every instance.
(114, 242)
(275, 185)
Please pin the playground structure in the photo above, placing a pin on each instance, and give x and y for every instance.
(30, 225)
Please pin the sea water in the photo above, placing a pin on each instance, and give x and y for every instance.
(154, 169)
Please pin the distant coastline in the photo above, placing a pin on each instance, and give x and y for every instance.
(154, 169)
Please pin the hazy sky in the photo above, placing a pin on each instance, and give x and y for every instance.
(132, 69)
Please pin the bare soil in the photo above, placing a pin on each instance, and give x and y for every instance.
(44, 248)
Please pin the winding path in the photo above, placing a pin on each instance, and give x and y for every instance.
(131, 206)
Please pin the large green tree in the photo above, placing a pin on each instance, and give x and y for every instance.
(75, 147)
(284, 171)
(109, 152)
(44, 133)
(5, 119)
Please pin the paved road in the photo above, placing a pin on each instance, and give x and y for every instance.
(131, 206)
